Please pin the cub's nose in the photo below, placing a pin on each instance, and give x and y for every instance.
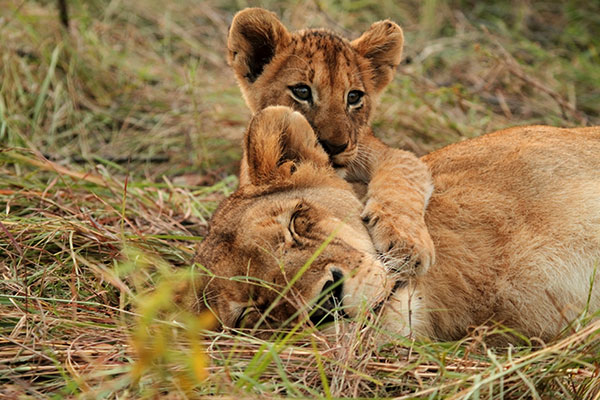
(333, 149)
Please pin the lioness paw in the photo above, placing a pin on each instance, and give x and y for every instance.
(403, 244)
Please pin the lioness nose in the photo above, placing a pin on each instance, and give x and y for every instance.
(333, 149)
(330, 300)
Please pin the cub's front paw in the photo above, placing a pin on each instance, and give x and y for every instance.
(402, 241)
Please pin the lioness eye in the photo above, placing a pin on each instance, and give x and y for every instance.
(354, 97)
(292, 226)
(243, 320)
(299, 224)
(240, 318)
(301, 92)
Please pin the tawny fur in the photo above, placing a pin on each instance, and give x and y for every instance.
(268, 61)
(515, 217)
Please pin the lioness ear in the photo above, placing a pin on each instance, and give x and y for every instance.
(279, 142)
(382, 46)
(254, 38)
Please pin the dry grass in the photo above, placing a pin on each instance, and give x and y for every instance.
(119, 137)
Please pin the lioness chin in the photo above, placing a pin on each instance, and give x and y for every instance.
(515, 217)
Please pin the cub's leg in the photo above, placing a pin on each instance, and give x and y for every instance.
(399, 187)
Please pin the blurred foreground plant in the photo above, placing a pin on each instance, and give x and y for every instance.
(167, 342)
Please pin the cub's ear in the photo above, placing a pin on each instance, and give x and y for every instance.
(279, 143)
(382, 46)
(254, 38)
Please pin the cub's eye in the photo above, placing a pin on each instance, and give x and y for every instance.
(301, 92)
(354, 97)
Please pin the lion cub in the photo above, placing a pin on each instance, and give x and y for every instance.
(334, 84)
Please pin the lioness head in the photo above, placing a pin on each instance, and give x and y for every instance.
(291, 238)
(333, 82)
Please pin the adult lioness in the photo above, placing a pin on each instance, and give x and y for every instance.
(515, 217)
(335, 83)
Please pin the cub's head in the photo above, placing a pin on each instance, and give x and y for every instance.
(289, 242)
(333, 82)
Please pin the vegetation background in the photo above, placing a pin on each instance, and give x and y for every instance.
(120, 133)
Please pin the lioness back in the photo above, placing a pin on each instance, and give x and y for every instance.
(516, 222)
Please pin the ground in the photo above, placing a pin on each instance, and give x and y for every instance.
(120, 133)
